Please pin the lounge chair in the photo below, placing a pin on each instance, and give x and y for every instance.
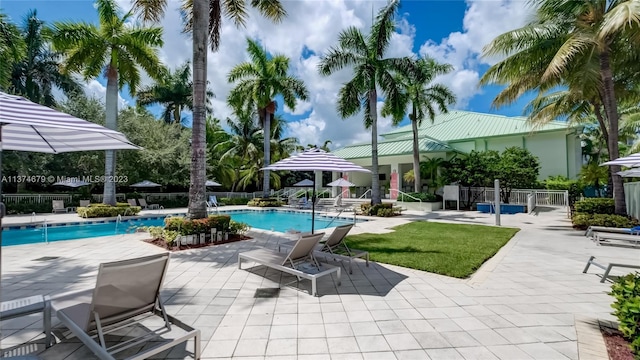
(604, 238)
(607, 268)
(213, 201)
(335, 247)
(299, 261)
(303, 203)
(58, 206)
(125, 291)
(30, 305)
(132, 202)
(607, 229)
(144, 205)
(85, 203)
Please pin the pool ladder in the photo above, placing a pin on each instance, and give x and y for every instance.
(45, 231)
(118, 220)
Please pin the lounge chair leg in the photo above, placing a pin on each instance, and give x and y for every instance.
(313, 287)
(606, 273)
(197, 347)
(588, 264)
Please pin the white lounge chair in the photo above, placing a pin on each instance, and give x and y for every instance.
(125, 291)
(299, 261)
(605, 238)
(607, 268)
(132, 202)
(85, 203)
(607, 229)
(144, 205)
(58, 206)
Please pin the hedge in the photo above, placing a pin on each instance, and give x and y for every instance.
(583, 221)
(595, 206)
(197, 226)
(234, 201)
(265, 202)
(103, 210)
(626, 291)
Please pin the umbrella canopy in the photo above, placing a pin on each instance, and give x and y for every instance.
(304, 183)
(72, 183)
(632, 160)
(27, 126)
(341, 183)
(145, 184)
(211, 183)
(629, 173)
(315, 160)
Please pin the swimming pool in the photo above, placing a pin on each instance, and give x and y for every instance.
(273, 220)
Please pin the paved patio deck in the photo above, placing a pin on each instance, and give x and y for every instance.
(522, 304)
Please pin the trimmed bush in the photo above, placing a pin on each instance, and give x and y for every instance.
(158, 232)
(583, 221)
(239, 228)
(595, 206)
(234, 201)
(25, 207)
(626, 291)
(190, 227)
(103, 210)
(265, 202)
(384, 209)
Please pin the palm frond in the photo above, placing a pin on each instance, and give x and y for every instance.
(150, 10)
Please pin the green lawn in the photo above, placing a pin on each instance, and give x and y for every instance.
(449, 249)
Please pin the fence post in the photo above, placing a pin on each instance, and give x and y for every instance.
(496, 190)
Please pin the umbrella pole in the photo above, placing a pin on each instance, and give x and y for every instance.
(313, 204)
(2, 208)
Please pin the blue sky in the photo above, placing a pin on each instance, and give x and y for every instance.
(451, 31)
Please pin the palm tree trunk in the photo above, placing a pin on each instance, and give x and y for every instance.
(111, 105)
(611, 108)
(197, 204)
(266, 128)
(375, 179)
(176, 115)
(597, 109)
(417, 182)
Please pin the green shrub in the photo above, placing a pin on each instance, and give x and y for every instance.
(583, 221)
(158, 232)
(626, 291)
(265, 202)
(595, 206)
(239, 228)
(374, 210)
(234, 201)
(384, 212)
(25, 207)
(102, 210)
(190, 227)
(574, 187)
(172, 203)
(424, 197)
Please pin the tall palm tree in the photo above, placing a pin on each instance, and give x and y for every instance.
(371, 71)
(116, 50)
(204, 21)
(12, 48)
(35, 75)
(174, 91)
(258, 83)
(569, 43)
(424, 98)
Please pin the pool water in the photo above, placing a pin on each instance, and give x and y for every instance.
(266, 220)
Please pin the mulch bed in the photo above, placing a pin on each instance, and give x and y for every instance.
(163, 244)
(617, 346)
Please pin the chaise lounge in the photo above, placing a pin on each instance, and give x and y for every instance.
(125, 292)
(299, 261)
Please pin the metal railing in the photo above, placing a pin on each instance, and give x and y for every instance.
(543, 197)
(364, 196)
(403, 194)
(35, 198)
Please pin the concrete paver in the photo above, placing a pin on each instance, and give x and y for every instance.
(529, 301)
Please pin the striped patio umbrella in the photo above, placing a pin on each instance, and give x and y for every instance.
(315, 160)
(632, 160)
(27, 126)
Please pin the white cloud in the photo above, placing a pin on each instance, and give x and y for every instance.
(483, 21)
(94, 89)
(311, 27)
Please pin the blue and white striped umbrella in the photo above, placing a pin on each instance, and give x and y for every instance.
(27, 126)
(316, 160)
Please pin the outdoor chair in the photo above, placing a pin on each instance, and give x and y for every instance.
(144, 205)
(126, 293)
(85, 203)
(303, 203)
(607, 268)
(591, 230)
(132, 202)
(335, 247)
(58, 206)
(604, 238)
(213, 201)
(30, 305)
(299, 261)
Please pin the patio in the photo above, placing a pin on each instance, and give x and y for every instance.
(522, 304)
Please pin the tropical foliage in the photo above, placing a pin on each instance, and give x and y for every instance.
(372, 71)
(116, 49)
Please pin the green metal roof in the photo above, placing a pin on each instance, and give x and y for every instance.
(460, 125)
(393, 147)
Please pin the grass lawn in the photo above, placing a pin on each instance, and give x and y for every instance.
(455, 250)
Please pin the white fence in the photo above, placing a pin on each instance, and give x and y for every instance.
(34, 198)
(518, 196)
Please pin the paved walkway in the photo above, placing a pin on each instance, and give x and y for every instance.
(522, 304)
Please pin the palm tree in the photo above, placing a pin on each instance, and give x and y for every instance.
(12, 48)
(174, 91)
(117, 50)
(204, 21)
(424, 99)
(35, 75)
(366, 55)
(258, 83)
(571, 43)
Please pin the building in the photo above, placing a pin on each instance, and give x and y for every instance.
(556, 144)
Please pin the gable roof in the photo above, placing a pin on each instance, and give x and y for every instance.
(458, 125)
(392, 147)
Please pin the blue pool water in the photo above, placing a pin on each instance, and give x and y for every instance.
(266, 220)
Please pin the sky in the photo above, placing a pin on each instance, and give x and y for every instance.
(451, 31)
